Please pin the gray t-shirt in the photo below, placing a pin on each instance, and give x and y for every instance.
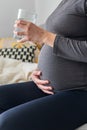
(65, 65)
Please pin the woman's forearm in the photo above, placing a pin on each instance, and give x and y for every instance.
(70, 49)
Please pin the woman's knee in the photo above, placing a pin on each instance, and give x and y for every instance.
(3, 122)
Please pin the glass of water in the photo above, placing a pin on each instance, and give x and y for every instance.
(27, 16)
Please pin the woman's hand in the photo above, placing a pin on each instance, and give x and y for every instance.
(42, 84)
(32, 32)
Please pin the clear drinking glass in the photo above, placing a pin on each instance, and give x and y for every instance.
(24, 15)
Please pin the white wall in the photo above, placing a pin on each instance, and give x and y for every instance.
(9, 9)
(44, 8)
(8, 14)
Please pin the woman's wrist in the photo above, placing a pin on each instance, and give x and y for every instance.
(49, 38)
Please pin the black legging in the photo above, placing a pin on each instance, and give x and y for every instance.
(24, 107)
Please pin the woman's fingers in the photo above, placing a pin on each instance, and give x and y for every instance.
(48, 92)
(39, 81)
(22, 40)
(42, 84)
(23, 31)
(22, 24)
(46, 89)
(19, 33)
(31, 32)
(36, 72)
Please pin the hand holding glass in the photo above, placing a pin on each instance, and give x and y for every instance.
(24, 15)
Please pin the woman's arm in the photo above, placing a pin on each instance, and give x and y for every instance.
(62, 46)
(67, 48)
(32, 32)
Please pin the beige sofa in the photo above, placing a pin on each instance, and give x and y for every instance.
(83, 127)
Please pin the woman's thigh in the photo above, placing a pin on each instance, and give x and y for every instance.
(19, 93)
(62, 111)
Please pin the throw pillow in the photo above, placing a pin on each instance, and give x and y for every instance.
(24, 54)
(11, 43)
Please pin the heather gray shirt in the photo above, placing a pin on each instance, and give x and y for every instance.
(65, 65)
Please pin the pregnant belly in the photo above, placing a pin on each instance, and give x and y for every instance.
(62, 74)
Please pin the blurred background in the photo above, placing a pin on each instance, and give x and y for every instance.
(9, 9)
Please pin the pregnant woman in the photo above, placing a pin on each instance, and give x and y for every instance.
(56, 99)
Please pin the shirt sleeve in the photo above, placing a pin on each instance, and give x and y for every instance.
(70, 49)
